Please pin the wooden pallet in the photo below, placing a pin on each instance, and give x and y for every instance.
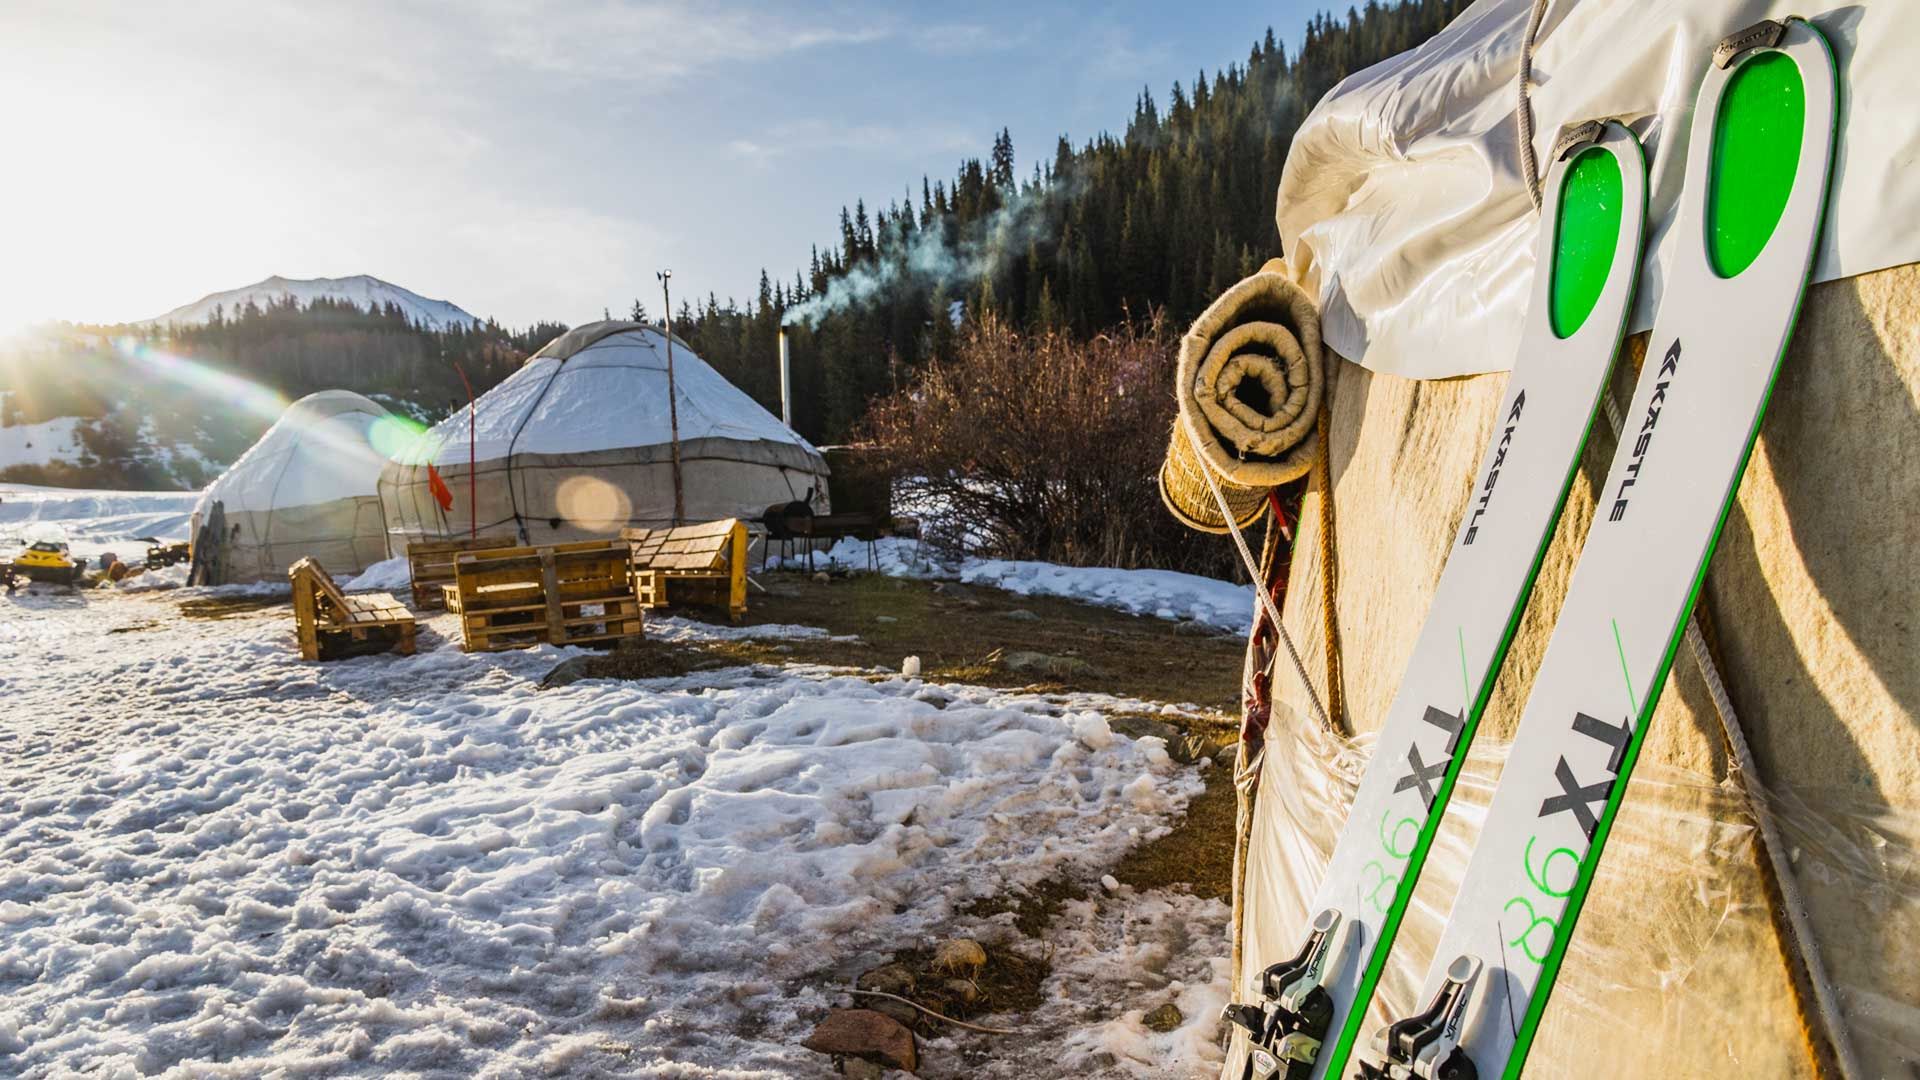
(430, 565)
(331, 625)
(703, 564)
(563, 594)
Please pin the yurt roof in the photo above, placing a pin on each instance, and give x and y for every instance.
(318, 450)
(1403, 202)
(603, 386)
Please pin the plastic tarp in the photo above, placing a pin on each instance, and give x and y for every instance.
(1404, 209)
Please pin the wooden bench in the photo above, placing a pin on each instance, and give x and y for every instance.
(332, 625)
(430, 565)
(562, 594)
(703, 564)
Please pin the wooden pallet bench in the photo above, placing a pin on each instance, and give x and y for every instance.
(430, 565)
(331, 625)
(703, 564)
(562, 594)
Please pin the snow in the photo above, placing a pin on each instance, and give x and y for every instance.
(388, 575)
(1164, 594)
(98, 521)
(362, 290)
(219, 861)
(43, 443)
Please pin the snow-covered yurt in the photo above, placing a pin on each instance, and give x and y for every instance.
(1757, 904)
(306, 488)
(578, 443)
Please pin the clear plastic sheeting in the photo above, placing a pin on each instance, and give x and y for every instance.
(1675, 968)
(1404, 207)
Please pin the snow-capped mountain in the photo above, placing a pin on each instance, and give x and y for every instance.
(361, 289)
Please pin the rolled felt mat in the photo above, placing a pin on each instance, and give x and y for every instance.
(1248, 385)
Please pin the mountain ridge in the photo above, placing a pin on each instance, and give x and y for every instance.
(362, 290)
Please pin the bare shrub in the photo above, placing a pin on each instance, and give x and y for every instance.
(1038, 446)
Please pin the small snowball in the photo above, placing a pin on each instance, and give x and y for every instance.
(910, 667)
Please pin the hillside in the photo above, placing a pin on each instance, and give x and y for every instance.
(168, 404)
(361, 290)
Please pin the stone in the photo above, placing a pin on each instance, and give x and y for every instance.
(960, 956)
(1164, 1019)
(566, 673)
(964, 990)
(1020, 615)
(866, 1035)
(822, 578)
(861, 1069)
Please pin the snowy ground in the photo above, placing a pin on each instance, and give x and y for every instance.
(216, 860)
(96, 521)
(1161, 593)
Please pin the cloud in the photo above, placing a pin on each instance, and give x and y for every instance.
(655, 44)
(814, 135)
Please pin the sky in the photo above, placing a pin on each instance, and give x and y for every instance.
(526, 160)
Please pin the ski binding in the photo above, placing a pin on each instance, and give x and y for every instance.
(1426, 1046)
(1291, 1022)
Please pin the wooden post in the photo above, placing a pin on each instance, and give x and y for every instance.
(673, 399)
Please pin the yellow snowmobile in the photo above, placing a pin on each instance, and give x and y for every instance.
(48, 559)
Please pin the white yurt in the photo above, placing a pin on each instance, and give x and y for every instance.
(579, 443)
(307, 488)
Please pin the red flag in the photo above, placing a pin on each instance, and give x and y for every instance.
(441, 493)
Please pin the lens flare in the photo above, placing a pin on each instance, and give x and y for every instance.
(241, 395)
(397, 438)
(592, 504)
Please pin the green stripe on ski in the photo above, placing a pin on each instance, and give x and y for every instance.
(1585, 238)
(1626, 676)
(1583, 881)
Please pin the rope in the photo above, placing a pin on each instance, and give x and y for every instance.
(1253, 569)
(1329, 577)
(935, 1015)
(1783, 892)
(1530, 165)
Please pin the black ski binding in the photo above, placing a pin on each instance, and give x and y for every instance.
(1291, 1021)
(1426, 1046)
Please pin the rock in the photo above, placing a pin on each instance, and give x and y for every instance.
(888, 979)
(891, 979)
(866, 1035)
(1020, 615)
(965, 990)
(885, 619)
(960, 956)
(1036, 663)
(566, 673)
(1164, 1019)
(861, 1069)
(822, 578)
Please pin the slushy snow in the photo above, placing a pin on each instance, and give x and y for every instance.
(219, 861)
(1164, 594)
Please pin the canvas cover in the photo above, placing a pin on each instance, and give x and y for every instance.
(578, 444)
(1403, 206)
(306, 488)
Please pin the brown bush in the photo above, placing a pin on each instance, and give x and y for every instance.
(1038, 446)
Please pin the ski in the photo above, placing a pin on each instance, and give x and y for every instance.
(1301, 1016)
(1746, 229)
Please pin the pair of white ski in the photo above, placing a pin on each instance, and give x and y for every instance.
(1716, 344)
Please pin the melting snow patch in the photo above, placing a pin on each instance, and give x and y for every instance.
(1161, 593)
(218, 860)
